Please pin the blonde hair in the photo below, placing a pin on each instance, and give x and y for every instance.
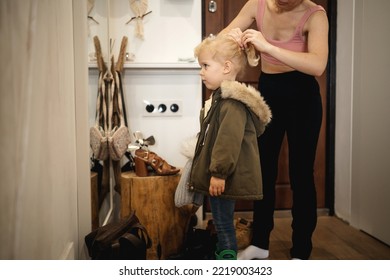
(225, 47)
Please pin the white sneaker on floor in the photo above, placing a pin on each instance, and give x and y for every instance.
(252, 252)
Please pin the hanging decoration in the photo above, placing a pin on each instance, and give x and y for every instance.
(90, 5)
(139, 7)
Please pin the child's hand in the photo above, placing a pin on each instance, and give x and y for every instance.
(217, 186)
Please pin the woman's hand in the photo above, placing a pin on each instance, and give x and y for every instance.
(217, 186)
(256, 38)
(236, 33)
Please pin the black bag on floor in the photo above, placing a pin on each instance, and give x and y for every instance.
(123, 240)
(200, 244)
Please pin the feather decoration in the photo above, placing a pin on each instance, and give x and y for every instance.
(139, 7)
(90, 5)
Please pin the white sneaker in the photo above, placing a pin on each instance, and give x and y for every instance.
(252, 252)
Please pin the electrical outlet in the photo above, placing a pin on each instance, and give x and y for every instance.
(162, 108)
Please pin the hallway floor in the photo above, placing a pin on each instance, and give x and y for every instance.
(333, 239)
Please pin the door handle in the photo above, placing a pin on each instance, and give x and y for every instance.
(212, 6)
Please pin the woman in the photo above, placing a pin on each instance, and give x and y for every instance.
(292, 38)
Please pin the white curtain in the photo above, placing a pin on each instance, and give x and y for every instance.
(38, 176)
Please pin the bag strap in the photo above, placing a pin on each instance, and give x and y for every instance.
(98, 50)
(110, 232)
(118, 69)
(137, 242)
(101, 98)
(115, 94)
(144, 235)
(101, 119)
(98, 101)
(106, 85)
(135, 224)
(111, 88)
(143, 238)
(122, 54)
(123, 98)
(120, 102)
(117, 99)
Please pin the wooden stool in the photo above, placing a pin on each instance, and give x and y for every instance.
(152, 198)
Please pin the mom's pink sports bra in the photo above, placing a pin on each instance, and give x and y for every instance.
(296, 43)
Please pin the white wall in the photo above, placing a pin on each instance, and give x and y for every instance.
(363, 129)
(171, 31)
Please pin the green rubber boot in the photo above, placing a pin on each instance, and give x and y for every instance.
(226, 255)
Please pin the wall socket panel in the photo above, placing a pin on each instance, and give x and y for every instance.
(162, 108)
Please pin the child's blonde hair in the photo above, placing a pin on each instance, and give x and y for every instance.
(225, 47)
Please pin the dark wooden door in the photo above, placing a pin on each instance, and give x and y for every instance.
(213, 22)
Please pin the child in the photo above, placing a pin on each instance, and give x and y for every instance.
(226, 164)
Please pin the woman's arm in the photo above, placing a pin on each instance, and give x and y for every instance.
(245, 17)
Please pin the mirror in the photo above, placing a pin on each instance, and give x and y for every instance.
(159, 51)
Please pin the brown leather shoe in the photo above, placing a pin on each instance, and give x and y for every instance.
(243, 233)
(144, 158)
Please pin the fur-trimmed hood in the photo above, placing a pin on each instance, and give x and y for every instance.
(252, 98)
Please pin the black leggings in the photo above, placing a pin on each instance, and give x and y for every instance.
(295, 102)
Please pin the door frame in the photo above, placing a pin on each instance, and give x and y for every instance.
(331, 109)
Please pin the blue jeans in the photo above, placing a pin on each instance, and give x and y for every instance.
(223, 216)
